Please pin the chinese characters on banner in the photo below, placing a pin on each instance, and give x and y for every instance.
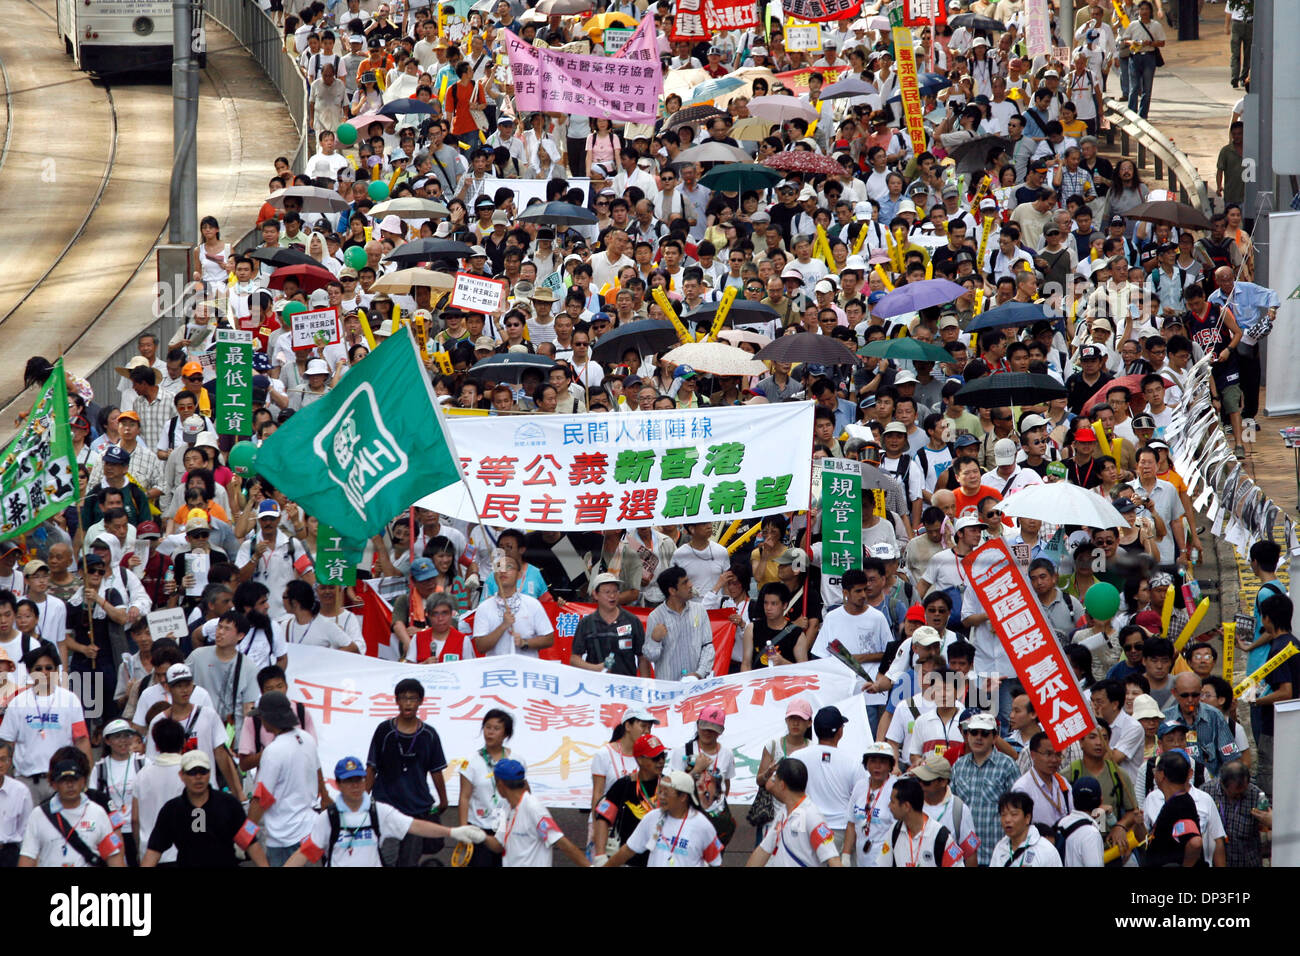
(624, 87)
(1017, 618)
(38, 474)
(335, 562)
(841, 515)
(803, 37)
(316, 328)
(477, 293)
(908, 90)
(235, 382)
(797, 80)
(700, 19)
(821, 10)
(615, 38)
(587, 473)
(1038, 29)
(563, 715)
(922, 13)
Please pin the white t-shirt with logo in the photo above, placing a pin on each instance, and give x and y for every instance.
(358, 844)
(487, 809)
(690, 841)
(800, 837)
(530, 621)
(45, 844)
(287, 780)
(321, 632)
(865, 633)
(203, 727)
(872, 819)
(38, 726)
(832, 775)
(528, 834)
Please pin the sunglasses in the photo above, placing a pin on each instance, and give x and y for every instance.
(1189, 696)
(197, 772)
(198, 534)
(980, 733)
(189, 378)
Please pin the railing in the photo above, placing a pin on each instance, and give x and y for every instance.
(254, 31)
(1170, 163)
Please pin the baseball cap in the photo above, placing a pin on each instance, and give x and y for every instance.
(712, 718)
(422, 569)
(980, 722)
(905, 377)
(895, 428)
(878, 749)
(191, 368)
(884, 551)
(34, 566)
(1145, 706)
(1085, 434)
(965, 440)
(828, 720)
(1143, 421)
(65, 770)
(932, 768)
(179, 673)
(268, 509)
(925, 635)
(603, 578)
(1087, 787)
(1116, 220)
(510, 771)
(1004, 451)
(114, 455)
(638, 712)
(349, 768)
(647, 745)
(915, 613)
(1168, 726)
(197, 521)
(949, 322)
(682, 782)
(1091, 352)
(799, 707)
(195, 759)
(684, 371)
(484, 343)
(967, 521)
(789, 556)
(1030, 422)
(119, 726)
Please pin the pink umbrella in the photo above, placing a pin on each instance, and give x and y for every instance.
(365, 119)
(805, 161)
(1130, 383)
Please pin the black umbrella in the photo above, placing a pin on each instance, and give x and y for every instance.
(510, 366)
(976, 23)
(427, 250)
(808, 347)
(742, 312)
(558, 214)
(1009, 388)
(694, 114)
(283, 257)
(970, 155)
(647, 336)
(404, 106)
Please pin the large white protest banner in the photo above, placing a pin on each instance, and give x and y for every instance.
(589, 472)
(526, 190)
(563, 715)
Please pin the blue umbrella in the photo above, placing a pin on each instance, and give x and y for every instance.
(916, 296)
(1009, 313)
(852, 86)
(929, 84)
(406, 105)
(711, 88)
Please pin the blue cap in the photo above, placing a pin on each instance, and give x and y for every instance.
(875, 297)
(261, 362)
(684, 371)
(349, 768)
(964, 440)
(1166, 726)
(269, 508)
(601, 317)
(422, 569)
(115, 455)
(510, 771)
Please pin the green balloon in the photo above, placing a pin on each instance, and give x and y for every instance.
(241, 458)
(346, 133)
(291, 308)
(1102, 601)
(377, 190)
(355, 257)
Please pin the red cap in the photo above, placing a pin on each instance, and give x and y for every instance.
(1085, 434)
(915, 613)
(648, 745)
(1149, 621)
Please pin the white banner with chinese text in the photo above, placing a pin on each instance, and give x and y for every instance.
(563, 715)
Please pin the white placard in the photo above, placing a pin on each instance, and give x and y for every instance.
(806, 37)
(316, 328)
(477, 293)
(169, 622)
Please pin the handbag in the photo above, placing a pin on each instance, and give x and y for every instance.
(1160, 57)
(763, 810)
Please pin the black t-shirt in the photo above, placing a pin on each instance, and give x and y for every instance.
(1177, 823)
(596, 639)
(763, 634)
(629, 799)
(402, 765)
(1085, 476)
(1078, 391)
(204, 836)
(1288, 672)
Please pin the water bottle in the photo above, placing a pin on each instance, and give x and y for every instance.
(609, 661)
(1263, 803)
(766, 658)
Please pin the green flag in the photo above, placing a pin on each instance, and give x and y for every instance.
(38, 470)
(367, 450)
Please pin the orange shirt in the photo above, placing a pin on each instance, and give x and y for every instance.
(970, 503)
(213, 510)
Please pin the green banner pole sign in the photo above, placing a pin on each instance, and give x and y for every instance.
(234, 382)
(336, 563)
(841, 515)
(38, 471)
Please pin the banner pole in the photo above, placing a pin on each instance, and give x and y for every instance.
(807, 540)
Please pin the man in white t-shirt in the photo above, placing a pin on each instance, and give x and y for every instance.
(832, 772)
(510, 622)
(204, 729)
(1127, 738)
(862, 630)
(530, 833)
(675, 834)
(288, 780)
(349, 833)
(42, 719)
(799, 836)
(69, 829)
(705, 562)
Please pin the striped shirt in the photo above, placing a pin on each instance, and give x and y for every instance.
(688, 646)
(979, 785)
(153, 417)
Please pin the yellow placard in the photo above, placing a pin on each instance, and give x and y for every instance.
(724, 306)
(421, 334)
(443, 360)
(984, 243)
(1266, 668)
(735, 545)
(1229, 649)
(908, 91)
(661, 298)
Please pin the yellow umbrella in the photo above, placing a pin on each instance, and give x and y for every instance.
(751, 128)
(602, 21)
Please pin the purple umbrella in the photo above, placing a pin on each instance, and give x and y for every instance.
(916, 296)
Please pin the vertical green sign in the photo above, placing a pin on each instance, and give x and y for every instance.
(336, 563)
(841, 515)
(234, 411)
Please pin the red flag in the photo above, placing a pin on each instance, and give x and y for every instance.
(376, 619)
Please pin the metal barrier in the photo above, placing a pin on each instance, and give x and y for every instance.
(254, 31)
(1170, 163)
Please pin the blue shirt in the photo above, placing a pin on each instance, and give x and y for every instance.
(1250, 302)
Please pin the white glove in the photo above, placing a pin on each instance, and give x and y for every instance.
(846, 859)
(1248, 695)
(468, 834)
(600, 860)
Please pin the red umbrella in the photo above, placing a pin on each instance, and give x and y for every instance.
(310, 278)
(1133, 383)
(805, 161)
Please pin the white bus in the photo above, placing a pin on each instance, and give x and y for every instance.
(105, 36)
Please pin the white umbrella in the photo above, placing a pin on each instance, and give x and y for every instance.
(404, 280)
(716, 358)
(736, 336)
(408, 207)
(713, 153)
(780, 108)
(313, 198)
(1061, 503)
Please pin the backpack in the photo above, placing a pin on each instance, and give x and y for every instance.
(1059, 835)
(336, 828)
(904, 466)
(940, 844)
(923, 459)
